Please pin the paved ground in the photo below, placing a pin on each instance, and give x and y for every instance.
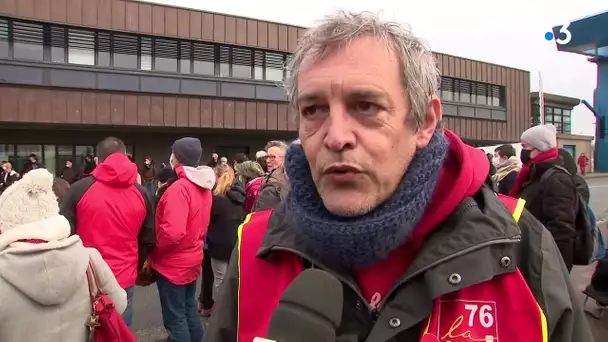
(148, 323)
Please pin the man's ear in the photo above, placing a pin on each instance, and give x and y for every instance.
(432, 118)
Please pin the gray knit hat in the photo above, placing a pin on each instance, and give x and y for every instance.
(543, 137)
(188, 151)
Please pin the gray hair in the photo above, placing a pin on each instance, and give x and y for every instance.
(418, 66)
(276, 143)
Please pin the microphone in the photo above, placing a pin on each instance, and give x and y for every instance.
(309, 310)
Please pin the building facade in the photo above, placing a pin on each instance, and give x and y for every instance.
(74, 71)
(558, 112)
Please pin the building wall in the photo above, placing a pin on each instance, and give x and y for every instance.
(469, 120)
(579, 143)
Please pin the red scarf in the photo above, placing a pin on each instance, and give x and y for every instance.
(525, 169)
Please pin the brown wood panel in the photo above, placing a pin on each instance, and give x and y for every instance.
(74, 12)
(27, 107)
(229, 114)
(251, 117)
(42, 9)
(194, 112)
(158, 20)
(9, 103)
(117, 109)
(208, 23)
(219, 28)
(483, 72)
(104, 13)
(262, 35)
(292, 38)
(156, 111)
(282, 117)
(273, 36)
(252, 33)
(261, 116)
(240, 115)
(43, 103)
(182, 115)
(74, 107)
(58, 107)
(271, 114)
(206, 113)
(118, 15)
(292, 123)
(196, 24)
(467, 71)
(59, 11)
(183, 23)
(169, 111)
(171, 21)
(230, 30)
(451, 71)
(145, 18)
(241, 31)
(218, 114)
(283, 38)
(510, 102)
(473, 71)
(131, 16)
(144, 110)
(8, 7)
(131, 110)
(89, 108)
(25, 8)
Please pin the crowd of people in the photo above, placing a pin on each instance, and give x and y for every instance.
(429, 237)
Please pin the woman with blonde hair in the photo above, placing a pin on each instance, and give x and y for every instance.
(226, 215)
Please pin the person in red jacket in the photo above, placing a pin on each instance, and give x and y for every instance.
(583, 162)
(113, 214)
(182, 220)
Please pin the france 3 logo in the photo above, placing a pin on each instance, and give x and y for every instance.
(563, 36)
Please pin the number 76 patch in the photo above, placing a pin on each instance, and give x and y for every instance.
(467, 320)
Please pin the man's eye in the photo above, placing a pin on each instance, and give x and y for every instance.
(364, 107)
(310, 110)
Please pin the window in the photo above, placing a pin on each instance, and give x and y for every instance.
(49, 159)
(447, 89)
(185, 57)
(258, 65)
(498, 98)
(28, 41)
(124, 51)
(57, 38)
(203, 56)
(242, 62)
(464, 90)
(274, 66)
(481, 94)
(6, 151)
(81, 47)
(224, 59)
(104, 49)
(22, 156)
(4, 40)
(146, 54)
(165, 55)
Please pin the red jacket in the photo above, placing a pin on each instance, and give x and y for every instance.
(113, 214)
(251, 193)
(182, 220)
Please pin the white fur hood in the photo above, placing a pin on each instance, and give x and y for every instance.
(48, 273)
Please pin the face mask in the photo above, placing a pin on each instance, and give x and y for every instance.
(525, 156)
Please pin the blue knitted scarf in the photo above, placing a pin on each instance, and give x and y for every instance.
(355, 242)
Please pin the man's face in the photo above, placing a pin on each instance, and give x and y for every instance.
(32, 160)
(356, 127)
(68, 164)
(224, 161)
(214, 157)
(274, 157)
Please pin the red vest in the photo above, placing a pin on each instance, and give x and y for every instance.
(471, 314)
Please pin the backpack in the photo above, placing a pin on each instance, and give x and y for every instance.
(105, 323)
(588, 235)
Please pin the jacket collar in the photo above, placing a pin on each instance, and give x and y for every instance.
(476, 223)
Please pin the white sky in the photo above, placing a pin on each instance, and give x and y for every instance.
(509, 33)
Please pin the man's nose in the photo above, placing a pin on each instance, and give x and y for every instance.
(340, 132)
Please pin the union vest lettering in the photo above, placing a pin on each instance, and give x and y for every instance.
(471, 314)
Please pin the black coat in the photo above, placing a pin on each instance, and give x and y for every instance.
(554, 202)
(227, 213)
(505, 184)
